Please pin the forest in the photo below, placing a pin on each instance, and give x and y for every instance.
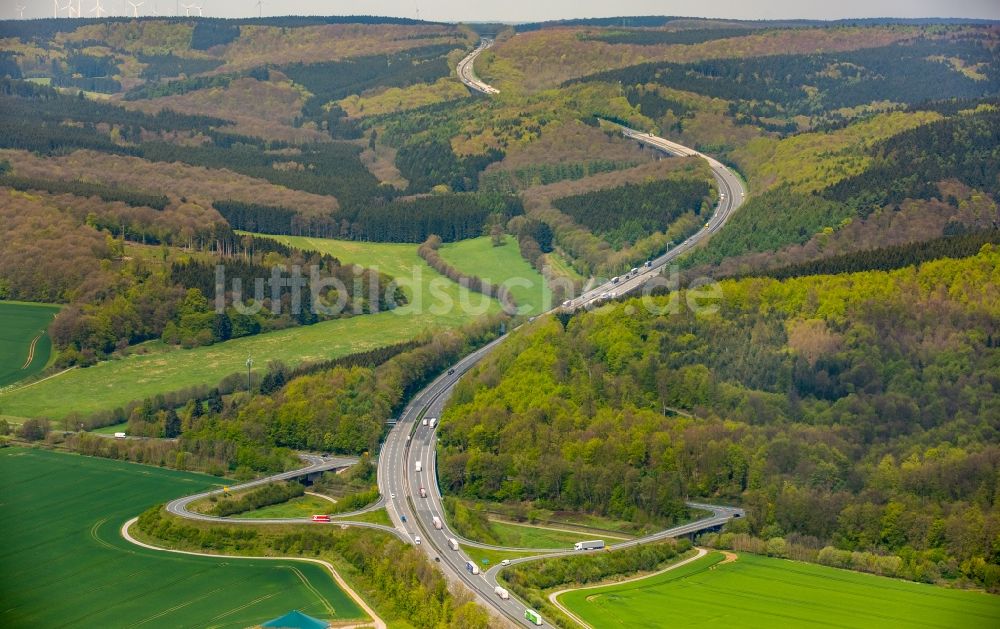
(775, 86)
(628, 213)
(856, 410)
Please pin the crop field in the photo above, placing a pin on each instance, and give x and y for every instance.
(766, 592)
(501, 265)
(65, 563)
(24, 343)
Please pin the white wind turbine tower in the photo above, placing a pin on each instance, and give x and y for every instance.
(199, 11)
(187, 9)
(260, 8)
(98, 9)
(20, 11)
(68, 8)
(135, 7)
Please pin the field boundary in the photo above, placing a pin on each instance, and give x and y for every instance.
(25, 386)
(554, 597)
(377, 622)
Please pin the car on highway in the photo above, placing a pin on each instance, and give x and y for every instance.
(567, 303)
(321, 518)
(649, 263)
(425, 421)
(416, 540)
(402, 517)
(451, 371)
(505, 562)
(392, 496)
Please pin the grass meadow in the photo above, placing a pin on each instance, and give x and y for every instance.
(435, 303)
(767, 592)
(500, 265)
(66, 564)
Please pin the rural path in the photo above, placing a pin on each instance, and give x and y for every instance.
(377, 622)
(313, 493)
(554, 597)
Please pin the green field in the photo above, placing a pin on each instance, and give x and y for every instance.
(766, 592)
(22, 336)
(501, 265)
(526, 536)
(434, 306)
(65, 563)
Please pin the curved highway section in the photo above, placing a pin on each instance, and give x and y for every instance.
(410, 490)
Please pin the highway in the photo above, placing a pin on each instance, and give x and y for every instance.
(467, 71)
(410, 440)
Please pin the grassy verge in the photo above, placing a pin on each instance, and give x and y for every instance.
(301, 507)
(379, 516)
(488, 557)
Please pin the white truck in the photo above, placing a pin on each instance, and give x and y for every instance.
(471, 567)
(434, 422)
(437, 523)
(119, 435)
(453, 543)
(418, 466)
(594, 544)
(501, 592)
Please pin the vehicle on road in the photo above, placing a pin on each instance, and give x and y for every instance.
(505, 562)
(649, 263)
(501, 592)
(321, 518)
(424, 423)
(532, 616)
(453, 543)
(434, 422)
(119, 435)
(423, 492)
(451, 371)
(567, 303)
(418, 466)
(614, 280)
(392, 496)
(402, 517)
(471, 567)
(594, 544)
(416, 540)
(437, 523)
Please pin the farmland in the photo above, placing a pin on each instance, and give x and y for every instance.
(433, 304)
(766, 592)
(500, 265)
(23, 342)
(67, 565)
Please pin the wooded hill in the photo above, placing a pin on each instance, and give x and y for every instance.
(855, 410)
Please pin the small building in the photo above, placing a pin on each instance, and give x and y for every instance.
(296, 620)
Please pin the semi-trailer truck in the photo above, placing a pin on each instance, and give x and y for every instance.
(532, 616)
(471, 567)
(453, 543)
(418, 466)
(501, 592)
(594, 544)
(437, 523)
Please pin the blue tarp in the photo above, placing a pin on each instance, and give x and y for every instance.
(296, 620)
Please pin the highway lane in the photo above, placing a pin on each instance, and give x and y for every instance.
(467, 72)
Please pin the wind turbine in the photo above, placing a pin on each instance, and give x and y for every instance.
(187, 9)
(20, 11)
(260, 8)
(199, 11)
(98, 9)
(68, 8)
(135, 7)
